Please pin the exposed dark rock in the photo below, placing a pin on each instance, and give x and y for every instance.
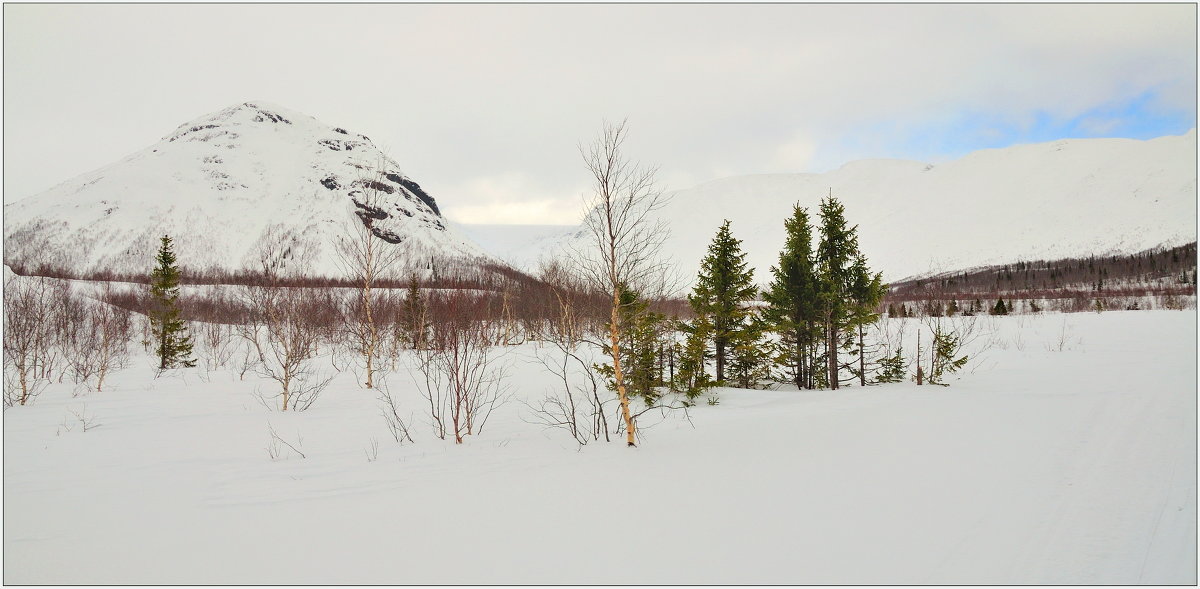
(415, 189)
(274, 118)
(339, 145)
(376, 185)
(386, 235)
(192, 130)
(341, 130)
(369, 212)
(330, 183)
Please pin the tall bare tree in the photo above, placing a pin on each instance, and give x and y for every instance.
(623, 241)
(283, 328)
(367, 256)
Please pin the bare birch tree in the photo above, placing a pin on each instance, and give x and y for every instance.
(283, 328)
(27, 326)
(100, 344)
(461, 377)
(284, 336)
(623, 241)
(367, 256)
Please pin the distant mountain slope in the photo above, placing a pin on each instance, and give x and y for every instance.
(1066, 198)
(220, 185)
(1156, 278)
(519, 245)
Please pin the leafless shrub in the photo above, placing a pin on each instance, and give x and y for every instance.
(1062, 338)
(83, 421)
(245, 359)
(284, 336)
(391, 414)
(372, 450)
(575, 405)
(100, 344)
(218, 346)
(276, 444)
(460, 375)
(284, 325)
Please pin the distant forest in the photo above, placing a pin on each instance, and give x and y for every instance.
(1158, 276)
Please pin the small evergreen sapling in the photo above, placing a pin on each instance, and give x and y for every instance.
(638, 349)
(691, 378)
(891, 368)
(946, 344)
(749, 361)
(174, 345)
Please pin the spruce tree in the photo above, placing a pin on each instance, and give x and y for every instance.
(724, 284)
(835, 252)
(174, 345)
(999, 308)
(866, 291)
(791, 299)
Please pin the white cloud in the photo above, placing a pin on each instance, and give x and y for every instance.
(469, 97)
(509, 199)
(795, 155)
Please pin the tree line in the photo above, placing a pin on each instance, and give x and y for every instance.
(1121, 281)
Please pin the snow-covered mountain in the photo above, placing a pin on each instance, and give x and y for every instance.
(1040, 201)
(220, 185)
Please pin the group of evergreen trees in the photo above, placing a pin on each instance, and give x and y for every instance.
(807, 327)
(817, 304)
(936, 308)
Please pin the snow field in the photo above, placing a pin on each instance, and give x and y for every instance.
(1065, 454)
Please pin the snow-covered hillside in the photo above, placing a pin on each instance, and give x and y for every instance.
(1041, 201)
(219, 185)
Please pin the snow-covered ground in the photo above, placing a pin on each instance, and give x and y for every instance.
(1066, 454)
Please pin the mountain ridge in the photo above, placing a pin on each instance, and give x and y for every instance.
(223, 183)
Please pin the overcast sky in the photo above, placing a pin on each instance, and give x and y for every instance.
(484, 105)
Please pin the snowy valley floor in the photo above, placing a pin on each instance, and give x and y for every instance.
(1038, 465)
